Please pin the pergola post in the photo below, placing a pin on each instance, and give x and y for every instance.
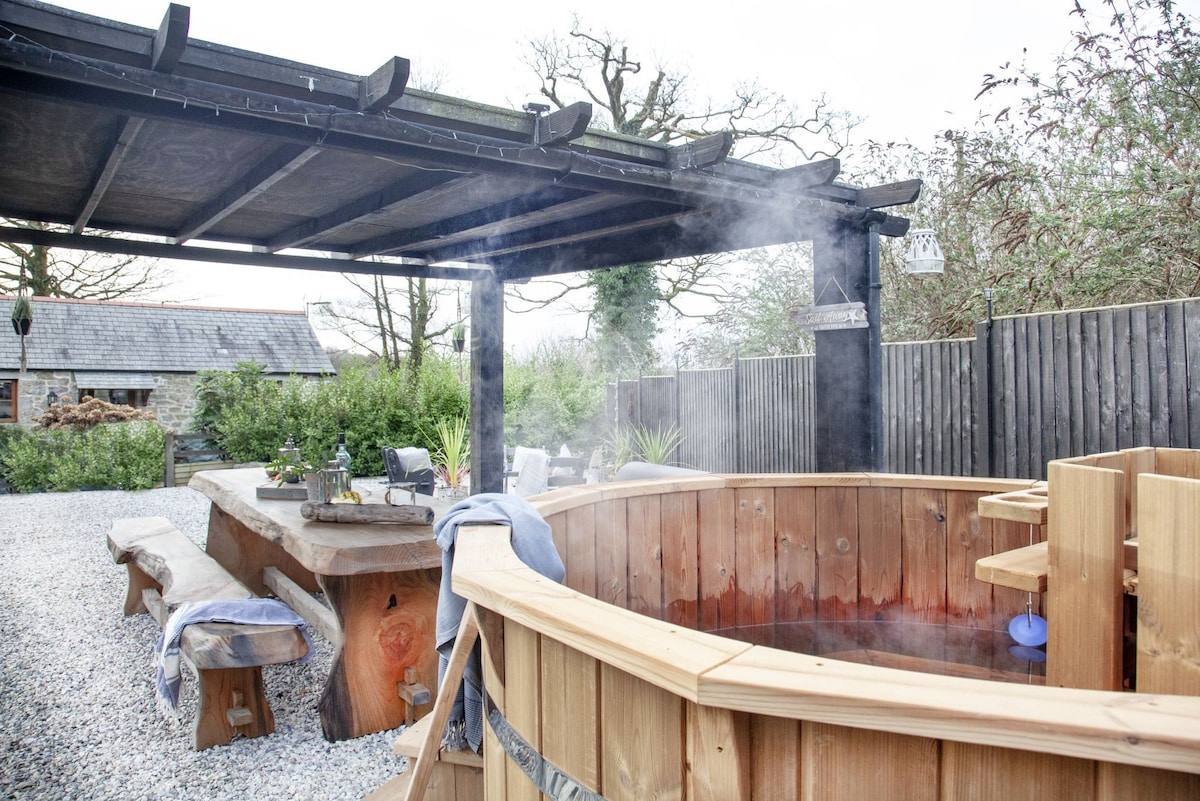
(846, 368)
(487, 384)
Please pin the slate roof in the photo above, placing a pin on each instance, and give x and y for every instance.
(136, 337)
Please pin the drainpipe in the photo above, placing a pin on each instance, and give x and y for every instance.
(875, 348)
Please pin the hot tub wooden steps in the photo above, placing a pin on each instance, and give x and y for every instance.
(455, 775)
(439, 775)
(1025, 568)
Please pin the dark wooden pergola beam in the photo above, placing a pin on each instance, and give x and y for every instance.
(568, 123)
(170, 40)
(626, 221)
(425, 187)
(274, 168)
(442, 148)
(897, 194)
(384, 86)
(563, 125)
(713, 231)
(806, 176)
(100, 184)
(700, 153)
(159, 250)
(497, 220)
(167, 48)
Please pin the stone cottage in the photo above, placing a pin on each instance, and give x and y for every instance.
(144, 355)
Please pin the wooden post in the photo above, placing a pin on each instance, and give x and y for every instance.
(1168, 646)
(169, 469)
(982, 406)
(487, 385)
(1087, 526)
(848, 396)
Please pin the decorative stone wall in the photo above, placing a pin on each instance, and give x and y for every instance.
(32, 388)
(172, 400)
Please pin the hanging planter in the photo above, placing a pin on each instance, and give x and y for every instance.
(22, 316)
(459, 337)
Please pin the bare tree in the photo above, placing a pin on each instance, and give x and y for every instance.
(56, 272)
(392, 319)
(654, 103)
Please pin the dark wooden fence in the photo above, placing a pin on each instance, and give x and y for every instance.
(1026, 390)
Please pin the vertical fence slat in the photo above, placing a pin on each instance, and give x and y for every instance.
(1062, 393)
(1123, 368)
(1177, 379)
(1090, 372)
(1020, 418)
(1156, 345)
(1109, 399)
(1034, 346)
(1140, 350)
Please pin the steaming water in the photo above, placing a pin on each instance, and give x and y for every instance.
(930, 648)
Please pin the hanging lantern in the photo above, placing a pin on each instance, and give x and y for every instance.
(924, 255)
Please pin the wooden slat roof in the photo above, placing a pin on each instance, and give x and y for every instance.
(169, 141)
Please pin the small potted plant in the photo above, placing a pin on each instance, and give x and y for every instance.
(452, 458)
(22, 315)
(287, 468)
(459, 337)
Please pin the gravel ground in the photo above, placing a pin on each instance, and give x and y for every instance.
(77, 712)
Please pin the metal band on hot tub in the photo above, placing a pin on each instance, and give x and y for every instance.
(548, 778)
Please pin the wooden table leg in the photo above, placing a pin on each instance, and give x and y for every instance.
(388, 622)
(244, 553)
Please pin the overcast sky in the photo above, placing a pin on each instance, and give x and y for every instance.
(907, 69)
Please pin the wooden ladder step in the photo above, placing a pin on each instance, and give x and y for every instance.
(409, 744)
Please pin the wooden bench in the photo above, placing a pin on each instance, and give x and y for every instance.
(167, 569)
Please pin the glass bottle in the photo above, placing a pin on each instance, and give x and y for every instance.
(342, 455)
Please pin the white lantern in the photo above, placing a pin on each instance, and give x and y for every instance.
(924, 255)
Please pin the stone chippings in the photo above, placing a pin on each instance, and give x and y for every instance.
(77, 712)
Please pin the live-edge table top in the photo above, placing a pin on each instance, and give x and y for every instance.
(331, 549)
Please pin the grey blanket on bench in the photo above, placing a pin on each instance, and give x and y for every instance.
(254, 611)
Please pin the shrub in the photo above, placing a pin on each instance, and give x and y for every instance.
(251, 416)
(89, 412)
(120, 455)
(553, 398)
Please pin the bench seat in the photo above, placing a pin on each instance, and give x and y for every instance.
(167, 569)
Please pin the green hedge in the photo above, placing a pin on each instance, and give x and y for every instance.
(125, 455)
(251, 416)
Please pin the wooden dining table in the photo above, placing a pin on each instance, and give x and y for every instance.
(380, 585)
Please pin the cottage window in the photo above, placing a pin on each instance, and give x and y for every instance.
(8, 400)
(137, 398)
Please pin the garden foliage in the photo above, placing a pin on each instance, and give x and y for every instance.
(250, 414)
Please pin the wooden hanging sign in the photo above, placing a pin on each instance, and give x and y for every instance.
(835, 317)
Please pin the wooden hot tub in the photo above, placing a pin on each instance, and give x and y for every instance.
(613, 678)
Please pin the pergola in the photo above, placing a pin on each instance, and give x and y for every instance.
(166, 141)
